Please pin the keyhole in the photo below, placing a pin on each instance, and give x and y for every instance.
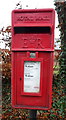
(20, 78)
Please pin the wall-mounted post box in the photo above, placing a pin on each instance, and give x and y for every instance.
(32, 58)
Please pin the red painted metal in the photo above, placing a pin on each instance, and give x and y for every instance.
(32, 32)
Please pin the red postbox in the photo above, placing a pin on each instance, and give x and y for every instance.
(32, 58)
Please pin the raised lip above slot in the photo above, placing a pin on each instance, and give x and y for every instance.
(33, 25)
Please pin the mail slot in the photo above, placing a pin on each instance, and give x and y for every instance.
(32, 58)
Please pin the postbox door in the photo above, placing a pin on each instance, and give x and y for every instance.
(29, 92)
